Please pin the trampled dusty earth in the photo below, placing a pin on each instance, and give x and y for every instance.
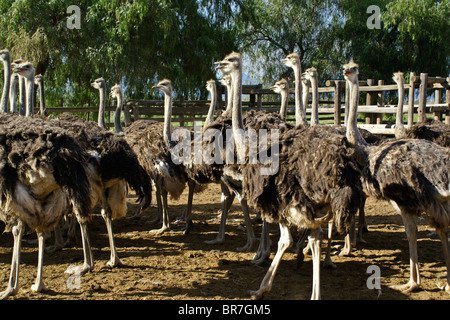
(178, 266)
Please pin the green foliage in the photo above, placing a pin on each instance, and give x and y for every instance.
(137, 42)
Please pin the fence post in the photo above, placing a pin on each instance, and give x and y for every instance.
(422, 97)
(369, 101)
(337, 103)
(447, 98)
(380, 102)
(411, 99)
(437, 100)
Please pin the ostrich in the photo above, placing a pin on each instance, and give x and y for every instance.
(39, 81)
(431, 130)
(100, 85)
(6, 59)
(298, 195)
(282, 87)
(412, 174)
(292, 60)
(152, 143)
(43, 170)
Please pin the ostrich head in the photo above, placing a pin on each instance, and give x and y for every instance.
(291, 60)
(231, 62)
(25, 69)
(165, 86)
(398, 77)
(116, 91)
(351, 71)
(39, 79)
(210, 85)
(310, 73)
(4, 55)
(99, 83)
(226, 80)
(280, 86)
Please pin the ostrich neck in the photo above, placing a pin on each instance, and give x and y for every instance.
(236, 117)
(41, 99)
(4, 103)
(117, 114)
(30, 96)
(229, 100)
(300, 114)
(167, 117)
(22, 96)
(284, 104)
(315, 102)
(12, 94)
(101, 110)
(352, 133)
(212, 107)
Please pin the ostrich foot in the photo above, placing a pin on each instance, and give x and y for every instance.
(85, 268)
(10, 291)
(445, 287)
(38, 287)
(188, 227)
(327, 263)
(261, 258)
(258, 294)
(248, 246)
(215, 241)
(114, 263)
(409, 287)
(158, 232)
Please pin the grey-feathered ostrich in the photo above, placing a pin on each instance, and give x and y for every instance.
(43, 170)
(298, 195)
(6, 59)
(431, 130)
(412, 174)
(152, 143)
(282, 87)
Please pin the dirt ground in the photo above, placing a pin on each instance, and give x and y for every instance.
(184, 267)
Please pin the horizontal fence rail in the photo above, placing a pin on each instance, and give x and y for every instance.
(333, 104)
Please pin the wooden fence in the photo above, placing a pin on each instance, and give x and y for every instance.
(332, 105)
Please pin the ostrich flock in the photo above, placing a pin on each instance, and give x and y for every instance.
(54, 167)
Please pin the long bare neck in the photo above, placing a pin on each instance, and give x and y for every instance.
(305, 93)
(399, 127)
(353, 135)
(284, 103)
(300, 114)
(117, 114)
(12, 93)
(236, 118)
(30, 97)
(41, 98)
(167, 117)
(314, 102)
(4, 103)
(101, 109)
(22, 96)
(212, 107)
(229, 100)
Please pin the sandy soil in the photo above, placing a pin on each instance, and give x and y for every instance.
(184, 267)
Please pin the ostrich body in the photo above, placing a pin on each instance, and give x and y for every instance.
(43, 171)
(6, 59)
(151, 141)
(413, 175)
(298, 195)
